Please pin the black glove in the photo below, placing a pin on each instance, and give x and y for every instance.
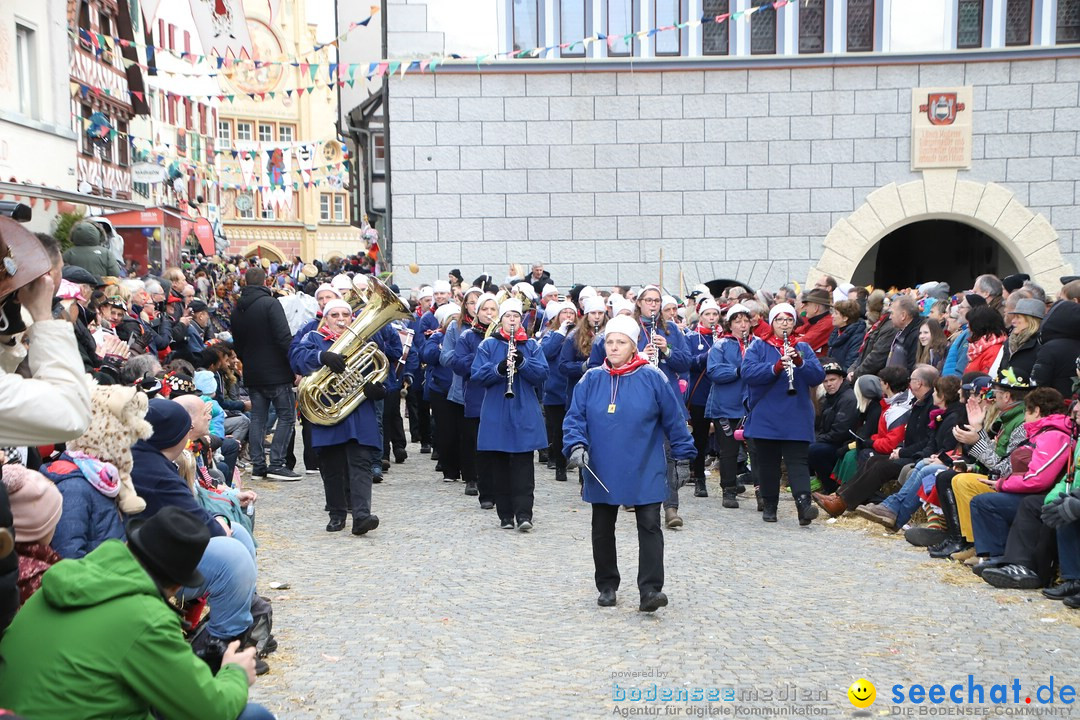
(519, 359)
(501, 367)
(374, 391)
(333, 360)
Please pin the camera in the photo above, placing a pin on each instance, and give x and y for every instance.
(17, 211)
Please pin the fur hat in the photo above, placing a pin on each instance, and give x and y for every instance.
(36, 504)
(327, 287)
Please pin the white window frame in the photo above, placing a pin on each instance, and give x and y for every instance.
(248, 127)
(324, 207)
(282, 128)
(224, 141)
(339, 208)
(26, 68)
(269, 127)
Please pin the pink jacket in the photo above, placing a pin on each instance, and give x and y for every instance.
(1050, 441)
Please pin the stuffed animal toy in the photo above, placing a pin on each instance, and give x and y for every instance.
(116, 423)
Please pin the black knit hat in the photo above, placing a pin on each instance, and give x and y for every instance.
(170, 544)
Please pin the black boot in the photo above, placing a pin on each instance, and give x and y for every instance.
(954, 541)
(560, 474)
(760, 501)
(807, 510)
(542, 456)
(699, 488)
(731, 499)
(768, 509)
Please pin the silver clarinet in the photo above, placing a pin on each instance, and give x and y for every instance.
(511, 369)
(789, 366)
(654, 359)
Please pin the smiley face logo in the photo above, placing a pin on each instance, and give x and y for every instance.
(862, 693)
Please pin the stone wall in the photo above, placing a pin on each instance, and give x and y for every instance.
(733, 173)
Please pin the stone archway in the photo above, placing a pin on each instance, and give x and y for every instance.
(1027, 237)
(264, 250)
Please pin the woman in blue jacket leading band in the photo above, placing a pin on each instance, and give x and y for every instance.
(511, 423)
(621, 416)
(779, 378)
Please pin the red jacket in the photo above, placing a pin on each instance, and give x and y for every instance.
(892, 424)
(815, 333)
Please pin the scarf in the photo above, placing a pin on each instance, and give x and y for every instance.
(102, 476)
(742, 345)
(327, 333)
(935, 417)
(480, 327)
(704, 330)
(633, 364)
(1018, 339)
(519, 335)
(978, 347)
(877, 323)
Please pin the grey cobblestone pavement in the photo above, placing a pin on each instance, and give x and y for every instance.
(440, 614)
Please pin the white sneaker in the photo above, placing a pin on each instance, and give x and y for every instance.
(446, 479)
(309, 471)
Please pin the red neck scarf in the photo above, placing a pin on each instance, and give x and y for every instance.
(519, 336)
(742, 345)
(329, 334)
(704, 330)
(633, 364)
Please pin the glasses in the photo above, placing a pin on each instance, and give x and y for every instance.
(651, 301)
(785, 320)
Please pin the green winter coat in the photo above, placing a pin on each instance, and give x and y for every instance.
(98, 641)
(88, 253)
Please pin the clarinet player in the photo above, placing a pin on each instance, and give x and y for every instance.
(511, 369)
(779, 378)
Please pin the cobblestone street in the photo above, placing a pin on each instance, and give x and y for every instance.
(440, 614)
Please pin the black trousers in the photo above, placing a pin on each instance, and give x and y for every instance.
(766, 458)
(393, 427)
(346, 474)
(476, 466)
(419, 414)
(311, 454)
(1031, 543)
(449, 418)
(947, 501)
(514, 483)
(699, 428)
(728, 448)
(877, 471)
(822, 459)
(650, 547)
(553, 419)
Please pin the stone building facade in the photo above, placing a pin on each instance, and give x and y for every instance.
(763, 171)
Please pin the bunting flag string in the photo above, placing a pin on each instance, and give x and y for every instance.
(312, 174)
(401, 67)
(103, 43)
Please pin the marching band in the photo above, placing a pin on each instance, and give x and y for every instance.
(633, 395)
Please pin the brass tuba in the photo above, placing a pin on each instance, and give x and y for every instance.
(327, 398)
